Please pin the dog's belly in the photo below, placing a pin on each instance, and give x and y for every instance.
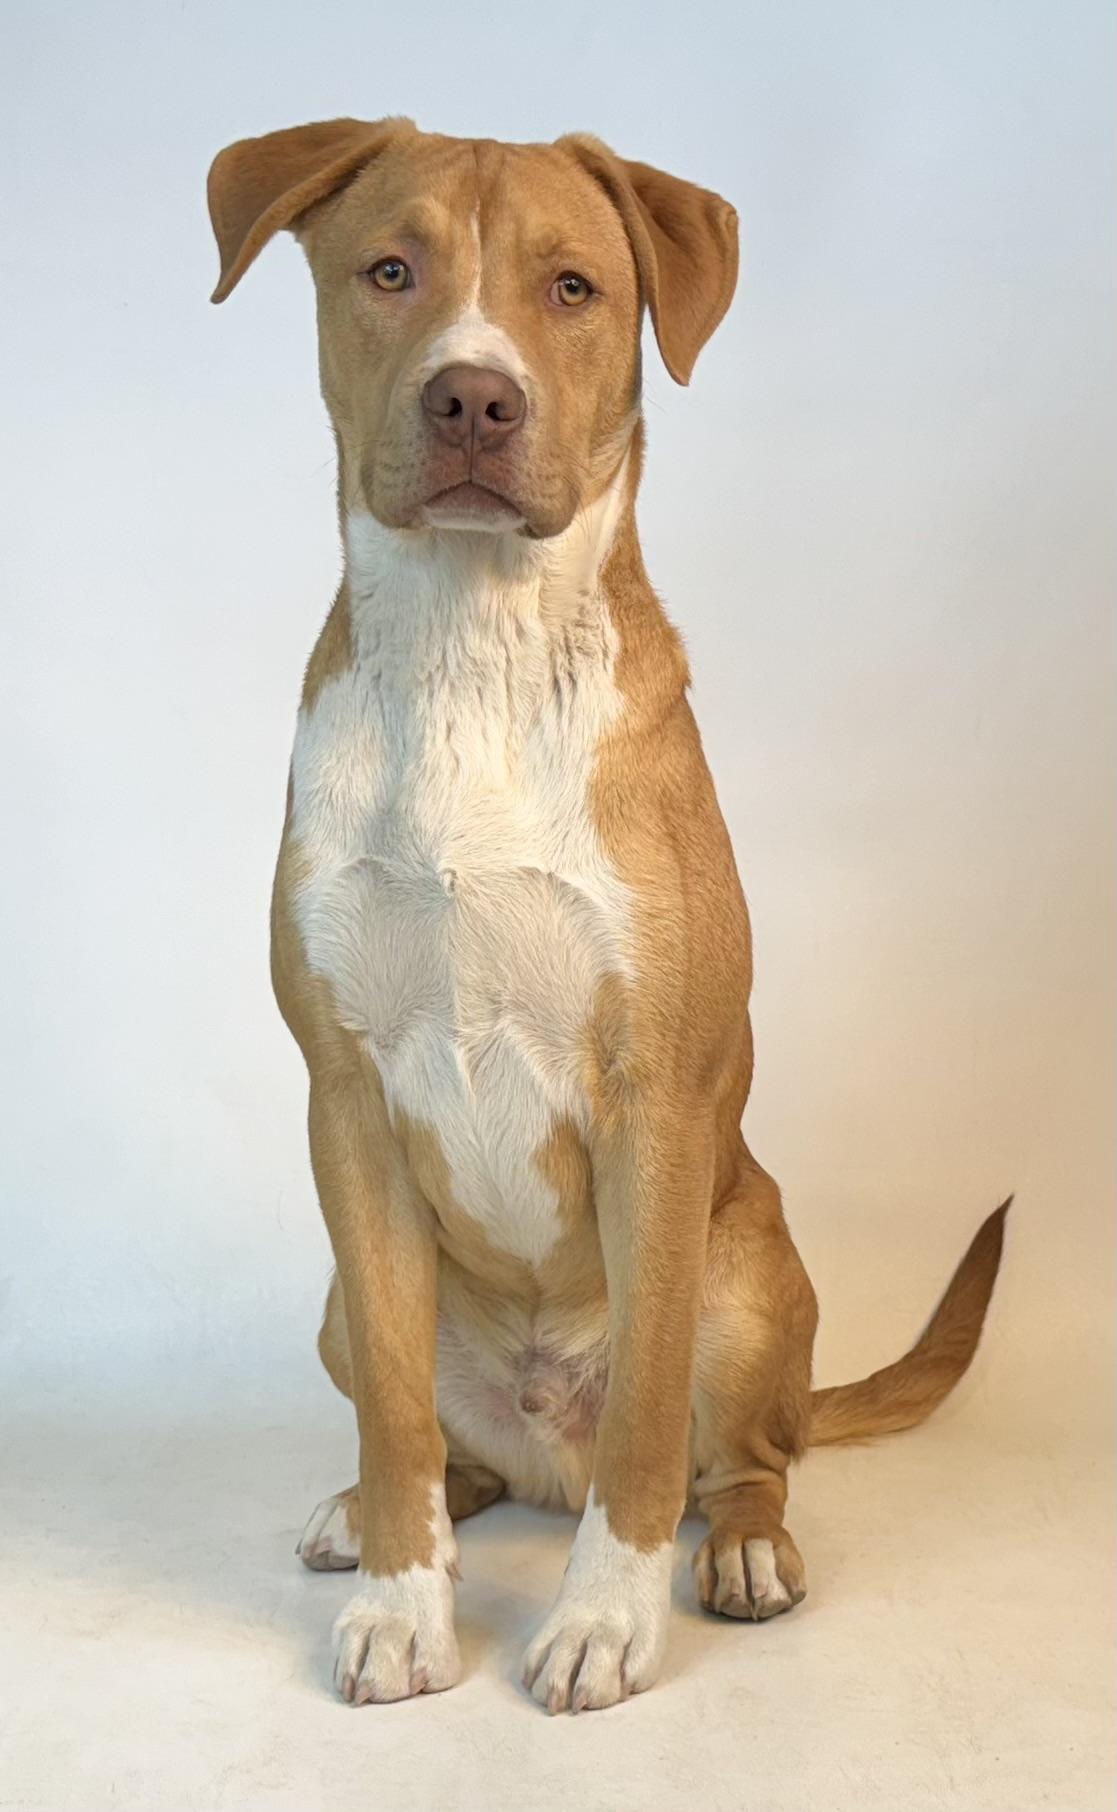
(521, 1391)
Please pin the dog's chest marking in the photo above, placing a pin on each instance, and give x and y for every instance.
(456, 895)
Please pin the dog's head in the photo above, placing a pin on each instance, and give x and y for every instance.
(479, 306)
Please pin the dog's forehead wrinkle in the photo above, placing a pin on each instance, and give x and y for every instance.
(424, 217)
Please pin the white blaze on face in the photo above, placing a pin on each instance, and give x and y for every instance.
(471, 339)
(473, 297)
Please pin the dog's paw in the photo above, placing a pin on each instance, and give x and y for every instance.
(747, 1577)
(584, 1659)
(331, 1540)
(606, 1635)
(395, 1638)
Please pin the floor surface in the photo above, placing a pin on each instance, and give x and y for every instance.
(162, 1647)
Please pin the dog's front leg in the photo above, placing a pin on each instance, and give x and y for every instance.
(606, 1634)
(395, 1637)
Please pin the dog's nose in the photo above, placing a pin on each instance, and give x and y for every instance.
(470, 405)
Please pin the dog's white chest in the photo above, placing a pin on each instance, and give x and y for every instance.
(457, 898)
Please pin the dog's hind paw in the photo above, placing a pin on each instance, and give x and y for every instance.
(748, 1577)
(332, 1538)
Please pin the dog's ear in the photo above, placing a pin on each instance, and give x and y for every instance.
(260, 185)
(684, 240)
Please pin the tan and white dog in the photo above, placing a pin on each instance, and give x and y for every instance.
(508, 932)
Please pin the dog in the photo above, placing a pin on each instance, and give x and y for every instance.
(507, 929)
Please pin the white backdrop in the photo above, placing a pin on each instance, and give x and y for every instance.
(881, 514)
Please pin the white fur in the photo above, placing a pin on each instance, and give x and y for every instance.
(395, 1637)
(482, 1381)
(456, 897)
(606, 1635)
(444, 513)
(472, 340)
(326, 1543)
(473, 295)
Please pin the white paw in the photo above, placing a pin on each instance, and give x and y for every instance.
(331, 1540)
(606, 1635)
(395, 1638)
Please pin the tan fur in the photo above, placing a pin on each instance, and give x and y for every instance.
(260, 185)
(673, 1275)
(333, 651)
(685, 249)
(382, 1233)
(904, 1394)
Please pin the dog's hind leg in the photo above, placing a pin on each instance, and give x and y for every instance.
(470, 1487)
(751, 1402)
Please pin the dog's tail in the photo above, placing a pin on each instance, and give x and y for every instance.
(904, 1394)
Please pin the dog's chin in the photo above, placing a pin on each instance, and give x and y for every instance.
(473, 508)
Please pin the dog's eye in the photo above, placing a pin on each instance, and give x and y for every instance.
(391, 274)
(571, 290)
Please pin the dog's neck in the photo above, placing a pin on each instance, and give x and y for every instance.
(399, 579)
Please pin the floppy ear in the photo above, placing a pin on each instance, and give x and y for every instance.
(685, 243)
(260, 185)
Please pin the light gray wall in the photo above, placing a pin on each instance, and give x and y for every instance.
(882, 515)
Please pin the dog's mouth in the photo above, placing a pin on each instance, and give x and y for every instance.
(472, 505)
